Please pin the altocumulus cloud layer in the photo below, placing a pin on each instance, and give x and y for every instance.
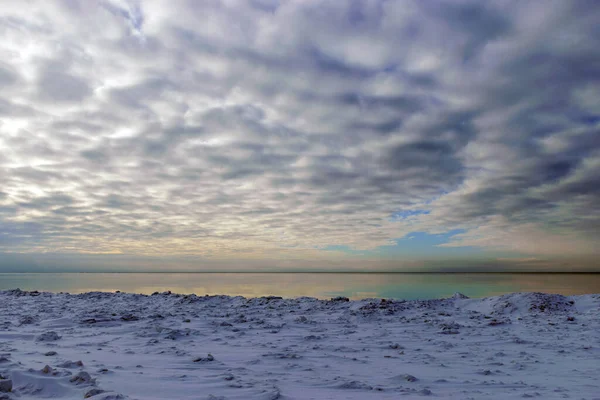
(274, 130)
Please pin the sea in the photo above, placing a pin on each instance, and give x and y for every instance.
(406, 286)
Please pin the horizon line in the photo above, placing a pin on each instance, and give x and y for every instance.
(303, 272)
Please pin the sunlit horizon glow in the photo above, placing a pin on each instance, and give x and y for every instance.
(292, 134)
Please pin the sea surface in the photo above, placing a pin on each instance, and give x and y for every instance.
(320, 285)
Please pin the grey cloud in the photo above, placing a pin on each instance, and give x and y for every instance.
(77, 126)
(134, 96)
(530, 96)
(97, 155)
(7, 76)
(31, 174)
(478, 22)
(9, 108)
(45, 202)
(16, 233)
(62, 87)
(115, 201)
(300, 125)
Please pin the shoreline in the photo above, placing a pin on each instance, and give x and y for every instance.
(174, 294)
(177, 346)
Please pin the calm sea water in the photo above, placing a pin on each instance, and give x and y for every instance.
(356, 286)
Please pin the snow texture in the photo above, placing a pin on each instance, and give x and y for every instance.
(171, 346)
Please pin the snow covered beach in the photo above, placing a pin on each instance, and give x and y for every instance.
(172, 346)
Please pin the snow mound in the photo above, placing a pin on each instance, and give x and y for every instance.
(527, 303)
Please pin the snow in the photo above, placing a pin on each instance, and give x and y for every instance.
(170, 346)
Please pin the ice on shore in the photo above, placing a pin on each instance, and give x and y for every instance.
(171, 346)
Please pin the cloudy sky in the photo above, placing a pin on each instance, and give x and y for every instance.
(299, 134)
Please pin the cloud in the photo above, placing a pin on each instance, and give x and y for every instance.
(8, 77)
(55, 85)
(267, 129)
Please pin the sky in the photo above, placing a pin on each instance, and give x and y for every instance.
(299, 135)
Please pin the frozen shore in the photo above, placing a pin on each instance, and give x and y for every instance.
(171, 346)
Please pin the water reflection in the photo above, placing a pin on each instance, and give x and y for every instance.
(399, 286)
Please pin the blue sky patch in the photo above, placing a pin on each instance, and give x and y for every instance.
(412, 245)
(400, 215)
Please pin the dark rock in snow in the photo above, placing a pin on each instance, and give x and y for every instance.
(47, 370)
(208, 358)
(340, 298)
(26, 320)
(449, 328)
(93, 392)
(107, 396)
(406, 377)
(50, 336)
(71, 364)
(355, 385)
(81, 377)
(5, 385)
